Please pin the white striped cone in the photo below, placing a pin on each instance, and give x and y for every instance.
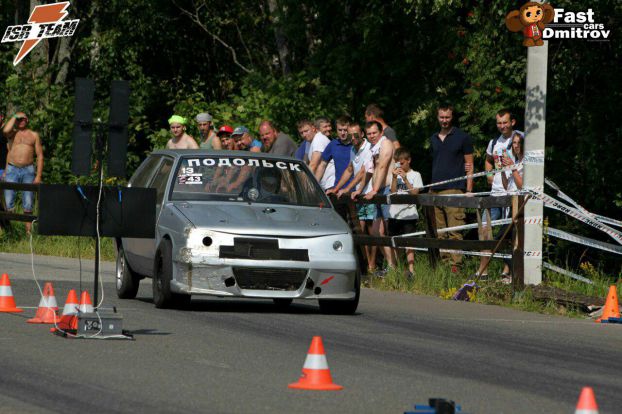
(46, 312)
(315, 373)
(71, 305)
(7, 302)
(86, 306)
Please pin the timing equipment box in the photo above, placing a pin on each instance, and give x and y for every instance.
(104, 322)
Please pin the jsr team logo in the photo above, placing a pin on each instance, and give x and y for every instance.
(45, 22)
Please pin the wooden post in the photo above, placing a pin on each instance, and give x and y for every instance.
(430, 230)
(518, 239)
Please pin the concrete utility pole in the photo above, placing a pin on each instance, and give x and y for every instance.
(535, 123)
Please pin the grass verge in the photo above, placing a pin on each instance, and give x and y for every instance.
(15, 240)
(443, 283)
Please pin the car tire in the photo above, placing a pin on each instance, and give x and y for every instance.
(163, 297)
(282, 303)
(127, 281)
(343, 307)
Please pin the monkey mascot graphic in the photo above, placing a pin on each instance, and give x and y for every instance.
(531, 19)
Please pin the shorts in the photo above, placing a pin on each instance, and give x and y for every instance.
(366, 211)
(398, 227)
(496, 213)
(383, 212)
(25, 175)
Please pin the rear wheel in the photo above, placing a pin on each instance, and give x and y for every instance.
(127, 280)
(343, 307)
(163, 297)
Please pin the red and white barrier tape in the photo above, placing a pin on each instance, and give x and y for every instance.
(573, 212)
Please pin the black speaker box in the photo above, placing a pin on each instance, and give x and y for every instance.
(82, 127)
(67, 210)
(117, 134)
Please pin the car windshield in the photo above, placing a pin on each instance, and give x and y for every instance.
(246, 179)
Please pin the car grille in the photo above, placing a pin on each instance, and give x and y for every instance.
(269, 278)
(261, 249)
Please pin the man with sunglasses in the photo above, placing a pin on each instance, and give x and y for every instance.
(244, 141)
(23, 145)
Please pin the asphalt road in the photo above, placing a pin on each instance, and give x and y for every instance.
(237, 356)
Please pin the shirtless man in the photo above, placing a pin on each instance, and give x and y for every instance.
(23, 144)
(180, 139)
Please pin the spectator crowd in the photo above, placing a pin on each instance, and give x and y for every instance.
(365, 160)
(358, 160)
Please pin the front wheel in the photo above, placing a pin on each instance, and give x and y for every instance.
(127, 280)
(163, 297)
(343, 307)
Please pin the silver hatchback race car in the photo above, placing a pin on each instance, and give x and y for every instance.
(239, 224)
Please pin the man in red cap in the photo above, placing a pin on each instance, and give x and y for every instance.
(224, 134)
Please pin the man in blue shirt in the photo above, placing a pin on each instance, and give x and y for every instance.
(245, 142)
(337, 151)
(452, 155)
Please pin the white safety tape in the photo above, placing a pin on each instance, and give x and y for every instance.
(573, 212)
(535, 157)
(464, 252)
(566, 197)
(533, 254)
(607, 220)
(476, 175)
(566, 273)
(560, 234)
(500, 222)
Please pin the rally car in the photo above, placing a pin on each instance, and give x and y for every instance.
(239, 224)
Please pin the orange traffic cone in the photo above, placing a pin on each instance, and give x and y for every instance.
(7, 302)
(315, 373)
(611, 309)
(587, 402)
(69, 320)
(46, 313)
(86, 306)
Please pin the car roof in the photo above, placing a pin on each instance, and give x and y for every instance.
(177, 153)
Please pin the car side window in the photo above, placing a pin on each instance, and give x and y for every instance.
(142, 176)
(161, 179)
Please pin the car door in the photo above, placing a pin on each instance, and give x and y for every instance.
(142, 251)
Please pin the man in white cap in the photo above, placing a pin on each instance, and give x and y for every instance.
(209, 139)
(180, 139)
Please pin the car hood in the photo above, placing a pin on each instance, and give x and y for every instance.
(263, 219)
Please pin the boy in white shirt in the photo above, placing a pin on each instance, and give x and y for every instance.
(403, 217)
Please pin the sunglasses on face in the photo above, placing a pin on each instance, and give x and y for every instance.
(356, 135)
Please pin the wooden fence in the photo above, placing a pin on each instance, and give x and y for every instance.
(432, 242)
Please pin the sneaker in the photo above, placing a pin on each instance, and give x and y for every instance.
(454, 269)
(381, 273)
(506, 278)
(409, 275)
(478, 277)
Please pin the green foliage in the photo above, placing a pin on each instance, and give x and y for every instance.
(333, 57)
